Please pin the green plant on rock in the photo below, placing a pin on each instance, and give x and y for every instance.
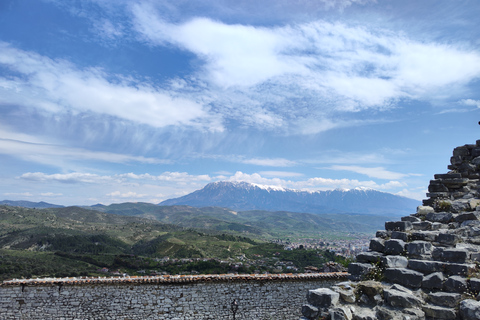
(376, 273)
(443, 206)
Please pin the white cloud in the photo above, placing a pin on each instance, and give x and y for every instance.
(314, 184)
(58, 86)
(18, 194)
(350, 67)
(470, 102)
(51, 194)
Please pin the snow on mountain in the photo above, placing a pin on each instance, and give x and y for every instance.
(242, 196)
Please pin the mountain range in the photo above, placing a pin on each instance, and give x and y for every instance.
(243, 196)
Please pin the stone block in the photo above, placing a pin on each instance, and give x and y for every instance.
(440, 313)
(405, 277)
(460, 269)
(383, 234)
(410, 218)
(364, 314)
(424, 236)
(369, 257)
(444, 299)
(394, 262)
(433, 281)
(442, 217)
(418, 248)
(455, 255)
(455, 284)
(346, 294)
(425, 266)
(400, 235)
(310, 312)
(473, 215)
(322, 297)
(469, 309)
(447, 239)
(400, 299)
(438, 226)
(377, 244)
(340, 314)
(398, 225)
(424, 210)
(422, 225)
(475, 285)
(447, 176)
(370, 288)
(394, 247)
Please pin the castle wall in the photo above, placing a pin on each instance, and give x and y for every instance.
(205, 298)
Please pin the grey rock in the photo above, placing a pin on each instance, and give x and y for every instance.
(474, 215)
(413, 314)
(455, 284)
(400, 235)
(369, 257)
(340, 314)
(470, 309)
(433, 281)
(377, 244)
(443, 217)
(425, 266)
(400, 299)
(398, 225)
(460, 269)
(424, 210)
(411, 219)
(447, 239)
(383, 234)
(438, 226)
(445, 299)
(394, 247)
(422, 225)
(364, 314)
(437, 312)
(370, 288)
(405, 277)
(461, 205)
(357, 269)
(394, 262)
(455, 255)
(424, 235)
(310, 312)
(475, 285)
(418, 248)
(322, 297)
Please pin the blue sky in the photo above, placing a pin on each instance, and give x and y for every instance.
(106, 101)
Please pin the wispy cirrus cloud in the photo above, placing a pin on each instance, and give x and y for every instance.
(373, 172)
(38, 150)
(81, 177)
(57, 86)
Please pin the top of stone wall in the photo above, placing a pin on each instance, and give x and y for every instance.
(173, 279)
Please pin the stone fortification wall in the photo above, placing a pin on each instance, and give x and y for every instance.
(426, 266)
(163, 297)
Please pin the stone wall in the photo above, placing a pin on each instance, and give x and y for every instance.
(174, 297)
(425, 266)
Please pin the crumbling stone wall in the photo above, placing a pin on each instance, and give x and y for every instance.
(174, 297)
(425, 266)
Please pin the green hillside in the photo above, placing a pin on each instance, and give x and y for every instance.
(75, 241)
